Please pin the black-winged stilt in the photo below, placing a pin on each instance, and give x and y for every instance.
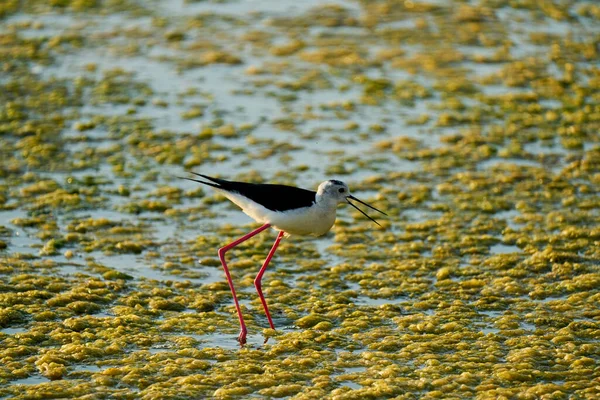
(288, 209)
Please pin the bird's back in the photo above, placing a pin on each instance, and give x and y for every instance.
(271, 196)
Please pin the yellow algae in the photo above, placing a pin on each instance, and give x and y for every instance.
(481, 152)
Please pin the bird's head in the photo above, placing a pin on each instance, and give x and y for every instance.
(338, 191)
(333, 190)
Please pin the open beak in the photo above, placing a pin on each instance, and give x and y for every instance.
(362, 212)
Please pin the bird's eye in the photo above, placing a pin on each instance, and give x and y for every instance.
(341, 190)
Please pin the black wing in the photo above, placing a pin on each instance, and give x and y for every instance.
(273, 197)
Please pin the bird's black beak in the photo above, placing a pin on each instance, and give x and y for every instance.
(368, 205)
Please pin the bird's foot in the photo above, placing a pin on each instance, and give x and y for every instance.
(242, 336)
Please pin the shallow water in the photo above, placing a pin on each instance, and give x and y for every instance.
(474, 126)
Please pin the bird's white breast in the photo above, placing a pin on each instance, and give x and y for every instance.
(316, 220)
(313, 220)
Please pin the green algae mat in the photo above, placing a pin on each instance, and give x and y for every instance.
(474, 125)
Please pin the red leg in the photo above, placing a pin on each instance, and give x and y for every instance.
(222, 251)
(257, 281)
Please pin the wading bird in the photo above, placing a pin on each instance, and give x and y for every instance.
(288, 209)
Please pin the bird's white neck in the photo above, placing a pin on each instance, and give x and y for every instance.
(326, 202)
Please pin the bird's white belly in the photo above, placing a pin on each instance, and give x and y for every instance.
(315, 220)
(304, 221)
